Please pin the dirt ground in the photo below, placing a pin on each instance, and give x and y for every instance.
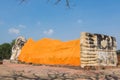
(14, 71)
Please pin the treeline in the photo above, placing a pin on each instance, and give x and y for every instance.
(5, 50)
(118, 52)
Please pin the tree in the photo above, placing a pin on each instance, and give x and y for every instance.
(67, 2)
(12, 43)
(1, 57)
(118, 52)
(5, 50)
(57, 1)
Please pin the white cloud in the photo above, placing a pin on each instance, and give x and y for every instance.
(48, 32)
(38, 23)
(14, 31)
(79, 21)
(22, 26)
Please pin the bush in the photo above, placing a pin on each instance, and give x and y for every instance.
(118, 52)
(5, 50)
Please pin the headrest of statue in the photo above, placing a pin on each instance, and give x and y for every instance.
(20, 41)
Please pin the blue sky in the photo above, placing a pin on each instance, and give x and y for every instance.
(38, 19)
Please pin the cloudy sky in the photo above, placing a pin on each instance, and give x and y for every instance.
(38, 19)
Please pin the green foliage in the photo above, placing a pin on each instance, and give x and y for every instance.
(118, 52)
(5, 50)
(13, 42)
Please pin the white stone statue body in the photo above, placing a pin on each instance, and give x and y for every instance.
(16, 49)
